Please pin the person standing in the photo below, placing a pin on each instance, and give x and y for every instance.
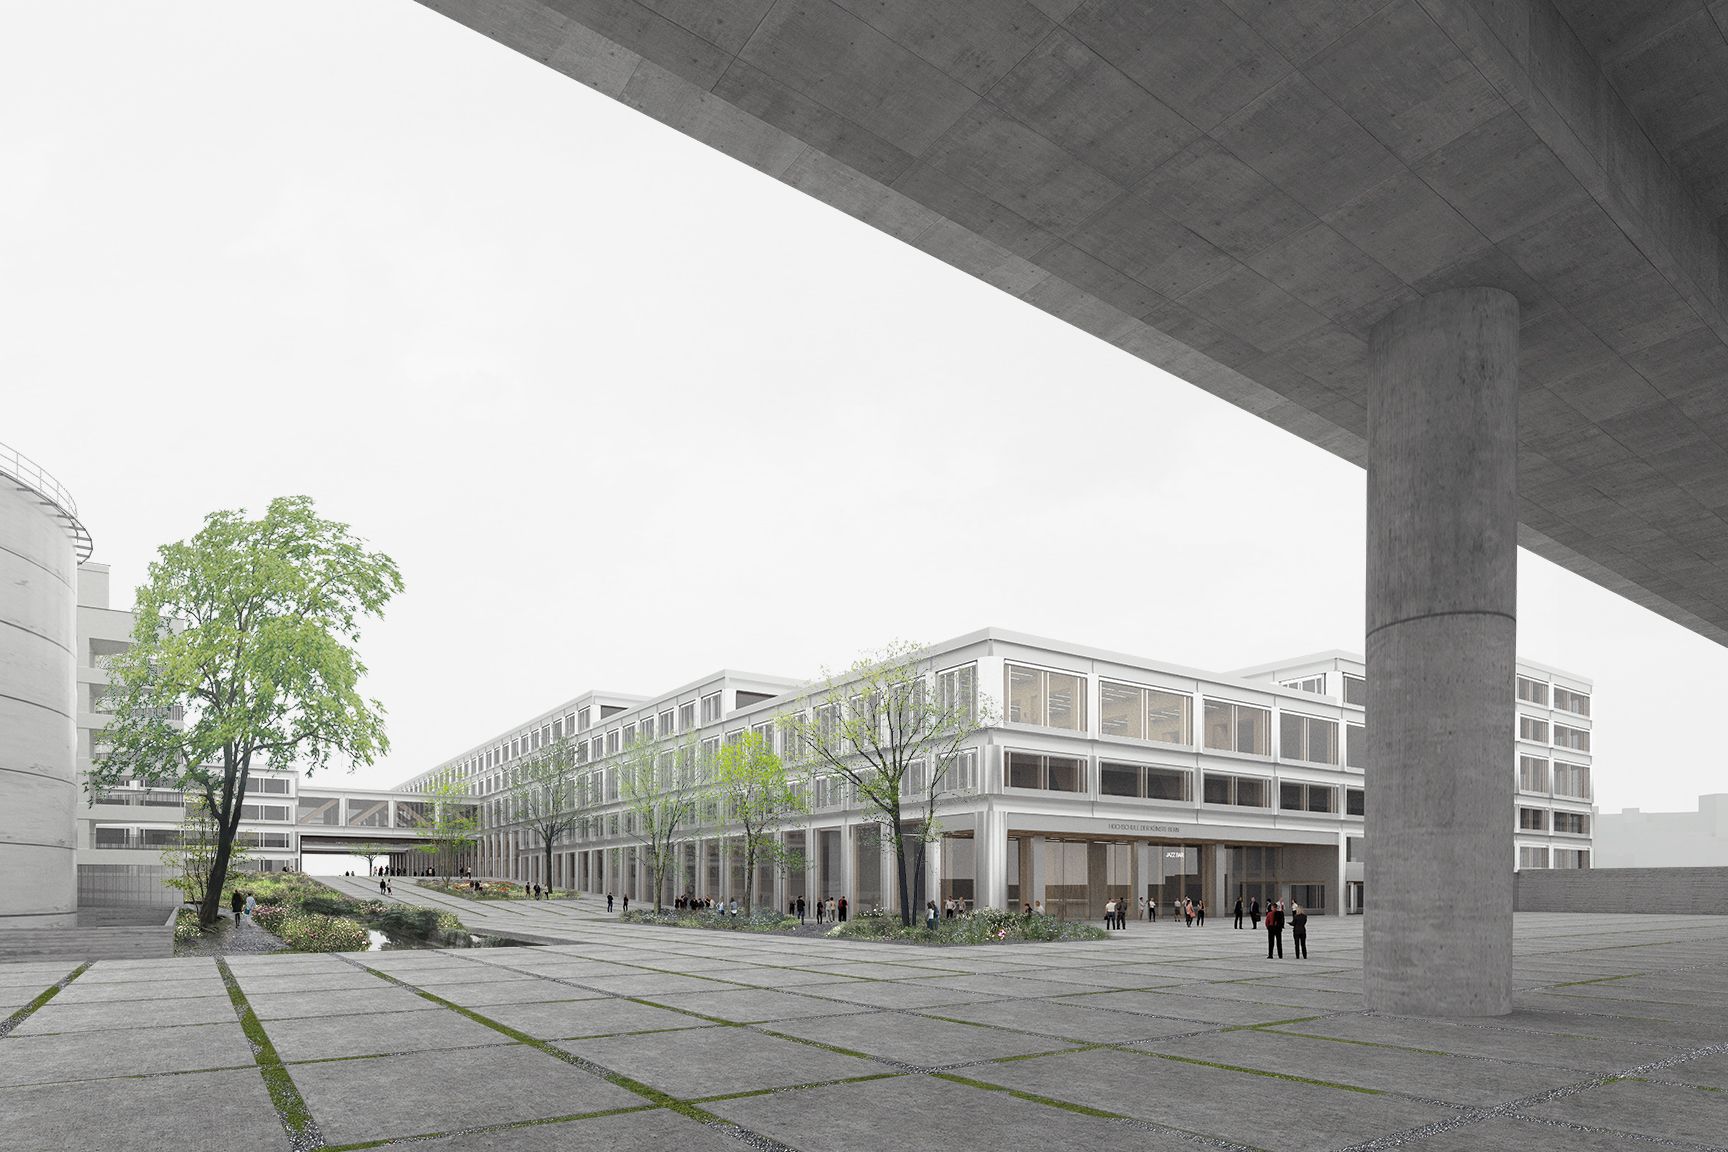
(1200, 913)
(842, 909)
(1238, 911)
(626, 901)
(1254, 912)
(608, 901)
(930, 916)
(1152, 909)
(1274, 930)
(800, 909)
(1299, 931)
(1188, 912)
(1109, 915)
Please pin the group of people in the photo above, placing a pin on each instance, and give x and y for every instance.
(609, 901)
(1276, 920)
(829, 911)
(242, 905)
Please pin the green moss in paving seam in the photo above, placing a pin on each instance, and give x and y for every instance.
(1270, 1024)
(1069, 1051)
(296, 1118)
(748, 1093)
(485, 1130)
(809, 1043)
(692, 1013)
(48, 994)
(1259, 1072)
(1597, 980)
(1361, 1043)
(1031, 1097)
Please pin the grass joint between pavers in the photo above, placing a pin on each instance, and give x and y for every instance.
(46, 995)
(290, 1106)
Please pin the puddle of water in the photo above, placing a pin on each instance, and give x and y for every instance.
(377, 941)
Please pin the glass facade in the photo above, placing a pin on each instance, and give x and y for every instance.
(1135, 713)
(1234, 727)
(1044, 698)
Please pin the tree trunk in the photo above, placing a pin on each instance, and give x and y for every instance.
(234, 787)
(548, 843)
(749, 872)
(900, 872)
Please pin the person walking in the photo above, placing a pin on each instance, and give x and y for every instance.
(1238, 911)
(1254, 912)
(1274, 930)
(800, 909)
(1299, 931)
(1187, 913)
(251, 906)
(1142, 907)
(234, 902)
(626, 901)
(608, 901)
(1200, 913)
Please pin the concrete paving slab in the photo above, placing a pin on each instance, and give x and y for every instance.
(1201, 1010)
(211, 1112)
(92, 1055)
(655, 984)
(594, 1017)
(750, 1005)
(1709, 1071)
(912, 1113)
(111, 1015)
(1665, 1111)
(383, 998)
(714, 1061)
(78, 992)
(1213, 1101)
(377, 1033)
(434, 1092)
(255, 983)
(510, 992)
(1500, 1038)
(1065, 1020)
(1455, 1079)
(1518, 1134)
(36, 976)
(651, 1131)
(919, 1040)
(896, 994)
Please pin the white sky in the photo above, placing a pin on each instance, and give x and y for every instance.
(626, 411)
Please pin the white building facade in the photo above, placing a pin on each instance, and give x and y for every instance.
(1105, 776)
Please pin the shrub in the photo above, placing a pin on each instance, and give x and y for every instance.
(186, 926)
(763, 920)
(269, 917)
(314, 932)
(984, 926)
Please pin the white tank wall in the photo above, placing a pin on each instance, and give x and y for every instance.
(38, 735)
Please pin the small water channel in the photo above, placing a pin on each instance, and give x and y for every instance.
(395, 940)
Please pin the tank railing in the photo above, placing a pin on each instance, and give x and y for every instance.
(17, 466)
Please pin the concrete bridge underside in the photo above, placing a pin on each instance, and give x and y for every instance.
(1474, 245)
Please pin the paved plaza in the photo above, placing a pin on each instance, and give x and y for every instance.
(629, 1037)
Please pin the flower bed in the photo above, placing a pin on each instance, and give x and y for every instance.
(984, 926)
(491, 890)
(763, 920)
(315, 932)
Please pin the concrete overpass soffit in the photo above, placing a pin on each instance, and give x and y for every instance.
(1237, 192)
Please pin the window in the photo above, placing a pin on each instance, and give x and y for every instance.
(1529, 857)
(612, 744)
(582, 719)
(1047, 699)
(263, 812)
(1295, 796)
(711, 708)
(1353, 848)
(1571, 858)
(1308, 738)
(962, 772)
(1566, 700)
(710, 751)
(645, 729)
(1533, 691)
(1577, 739)
(1572, 823)
(686, 717)
(664, 727)
(1532, 820)
(1355, 690)
(1046, 773)
(1314, 684)
(1532, 729)
(1355, 746)
(629, 735)
(1532, 774)
(1238, 728)
(267, 786)
(1572, 780)
(957, 692)
(1144, 782)
(1241, 791)
(1136, 713)
(1356, 802)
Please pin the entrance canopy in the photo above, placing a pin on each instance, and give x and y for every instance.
(1237, 192)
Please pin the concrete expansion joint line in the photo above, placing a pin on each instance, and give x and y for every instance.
(47, 994)
(1437, 615)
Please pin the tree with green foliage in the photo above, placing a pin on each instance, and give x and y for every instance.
(662, 790)
(449, 821)
(757, 794)
(191, 856)
(245, 650)
(545, 797)
(370, 853)
(892, 727)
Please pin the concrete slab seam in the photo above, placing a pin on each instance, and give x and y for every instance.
(291, 1109)
(42, 998)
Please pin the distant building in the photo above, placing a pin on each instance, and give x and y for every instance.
(1636, 839)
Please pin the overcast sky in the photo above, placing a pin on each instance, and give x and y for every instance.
(626, 411)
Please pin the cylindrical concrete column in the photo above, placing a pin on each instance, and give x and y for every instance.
(1442, 627)
(38, 703)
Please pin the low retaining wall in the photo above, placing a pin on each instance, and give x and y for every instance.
(101, 934)
(1672, 891)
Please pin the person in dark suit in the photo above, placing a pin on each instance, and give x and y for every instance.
(1274, 930)
(1299, 931)
(1238, 911)
(1254, 911)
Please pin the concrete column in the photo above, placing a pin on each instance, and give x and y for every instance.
(1442, 628)
(932, 873)
(1032, 878)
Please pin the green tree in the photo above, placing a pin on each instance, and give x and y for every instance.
(449, 822)
(891, 728)
(662, 789)
(195, 850)
(245, 650)
(370, 853)
(757, 794)
(545, 796)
